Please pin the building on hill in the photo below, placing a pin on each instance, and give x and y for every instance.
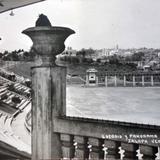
(69, 52)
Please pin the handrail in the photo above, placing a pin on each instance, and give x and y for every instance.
(100, 139)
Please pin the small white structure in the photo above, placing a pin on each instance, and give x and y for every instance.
(146, 67)
(91, 77)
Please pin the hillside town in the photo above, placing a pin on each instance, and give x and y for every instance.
(144, 59)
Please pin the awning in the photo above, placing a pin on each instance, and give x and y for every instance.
(6, 5)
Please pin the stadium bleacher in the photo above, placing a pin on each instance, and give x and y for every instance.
(14, 97)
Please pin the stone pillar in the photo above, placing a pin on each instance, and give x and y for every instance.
(149, 152)
(112, 149)
(96, 80)
(87, 80)
(143, 81)
(94, 148)
(130, 151)
(82, 150)
(106, 81)
(152, 80)
(115, 81)
(48, 90)
(134, 81)
(68, 149)
(124, 81)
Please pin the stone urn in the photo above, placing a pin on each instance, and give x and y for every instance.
(48, 89)
(48, 42)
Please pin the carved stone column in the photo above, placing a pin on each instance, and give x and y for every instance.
(124, 80)
(149, 152)
(106, 81)
(130, 151)
(112, 149)
(48, 89)
(115, 80)
(143, 80)
(152, 80)
(134, 81)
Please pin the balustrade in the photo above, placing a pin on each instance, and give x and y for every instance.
(82, 147)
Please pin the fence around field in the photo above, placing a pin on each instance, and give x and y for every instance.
(137, 80)
(126, 79)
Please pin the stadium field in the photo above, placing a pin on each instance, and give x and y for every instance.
(130, 104)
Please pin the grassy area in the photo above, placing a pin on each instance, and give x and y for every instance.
(138, 105)
(23, 68)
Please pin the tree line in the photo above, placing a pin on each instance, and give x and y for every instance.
(17, 55)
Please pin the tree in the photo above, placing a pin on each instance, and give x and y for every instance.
(81, 53)
(135, 57)
(1, 55)
(16, 99)
(15, 56)
(5, 53)
(86, 53)
(113, 59)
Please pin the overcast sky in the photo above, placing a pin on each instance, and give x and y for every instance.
(97, 23)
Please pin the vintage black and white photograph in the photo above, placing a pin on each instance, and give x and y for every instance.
(79, 79)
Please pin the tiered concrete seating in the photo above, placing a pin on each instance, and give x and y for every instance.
(6, 74)
(6, 116)
(7, 103)
(4, 81)
(3, 91)
(7, 135)
(5, 77)
(20, 105)
(24, 104)
(21, 89)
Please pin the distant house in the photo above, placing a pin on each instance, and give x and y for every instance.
(146, 67)
(68, 52)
